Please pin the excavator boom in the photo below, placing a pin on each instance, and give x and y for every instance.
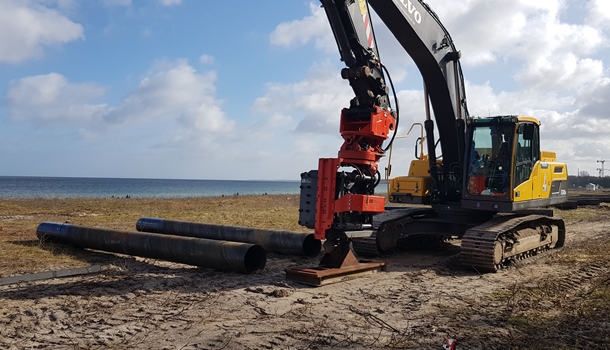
(420, 32)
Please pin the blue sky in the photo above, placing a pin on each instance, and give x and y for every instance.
(251, 90)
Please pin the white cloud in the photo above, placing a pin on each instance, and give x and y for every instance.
(483, 101)
(174, 91)
(170, 2)
(529, 31)
(317, 99)
(28, 26)
(599, 11)
(560, 72)
(553, 51)
(206, 59)
(481, 28)
(50, 98)
(594, 101)
(311, 28)
(278, 120)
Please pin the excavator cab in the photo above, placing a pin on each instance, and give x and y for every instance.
(505, 168)
(490, 159)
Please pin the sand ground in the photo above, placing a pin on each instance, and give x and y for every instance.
(424, 297)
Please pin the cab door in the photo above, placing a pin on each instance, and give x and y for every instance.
(526, 176)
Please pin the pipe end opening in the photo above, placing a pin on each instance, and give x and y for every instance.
(255, 259)
(311, 246)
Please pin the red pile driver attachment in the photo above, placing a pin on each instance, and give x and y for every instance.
(345, 203)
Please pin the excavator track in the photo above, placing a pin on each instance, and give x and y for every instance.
(487, 247)
(392, 219)
(503, 239)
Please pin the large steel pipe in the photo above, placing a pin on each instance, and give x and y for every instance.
(284, 242)
(221, 255)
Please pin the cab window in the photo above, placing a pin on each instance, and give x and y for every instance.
(527, 152)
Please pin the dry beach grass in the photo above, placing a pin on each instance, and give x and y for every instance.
(559, 301)
(19, 218)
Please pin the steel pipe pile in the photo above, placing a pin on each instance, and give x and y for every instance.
(221, 255)
(284, 242)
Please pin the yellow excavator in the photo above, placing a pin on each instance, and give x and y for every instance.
(484, 180)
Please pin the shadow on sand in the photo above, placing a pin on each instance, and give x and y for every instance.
(123, 274)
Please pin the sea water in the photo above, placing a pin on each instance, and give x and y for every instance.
(85, 187)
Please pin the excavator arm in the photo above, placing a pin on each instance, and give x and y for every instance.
(351, 25)
(422, 35)
(343, 187)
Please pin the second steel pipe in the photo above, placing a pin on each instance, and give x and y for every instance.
(221, 255)
(284, 242)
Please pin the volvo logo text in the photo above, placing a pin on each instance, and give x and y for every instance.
(412, 10)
